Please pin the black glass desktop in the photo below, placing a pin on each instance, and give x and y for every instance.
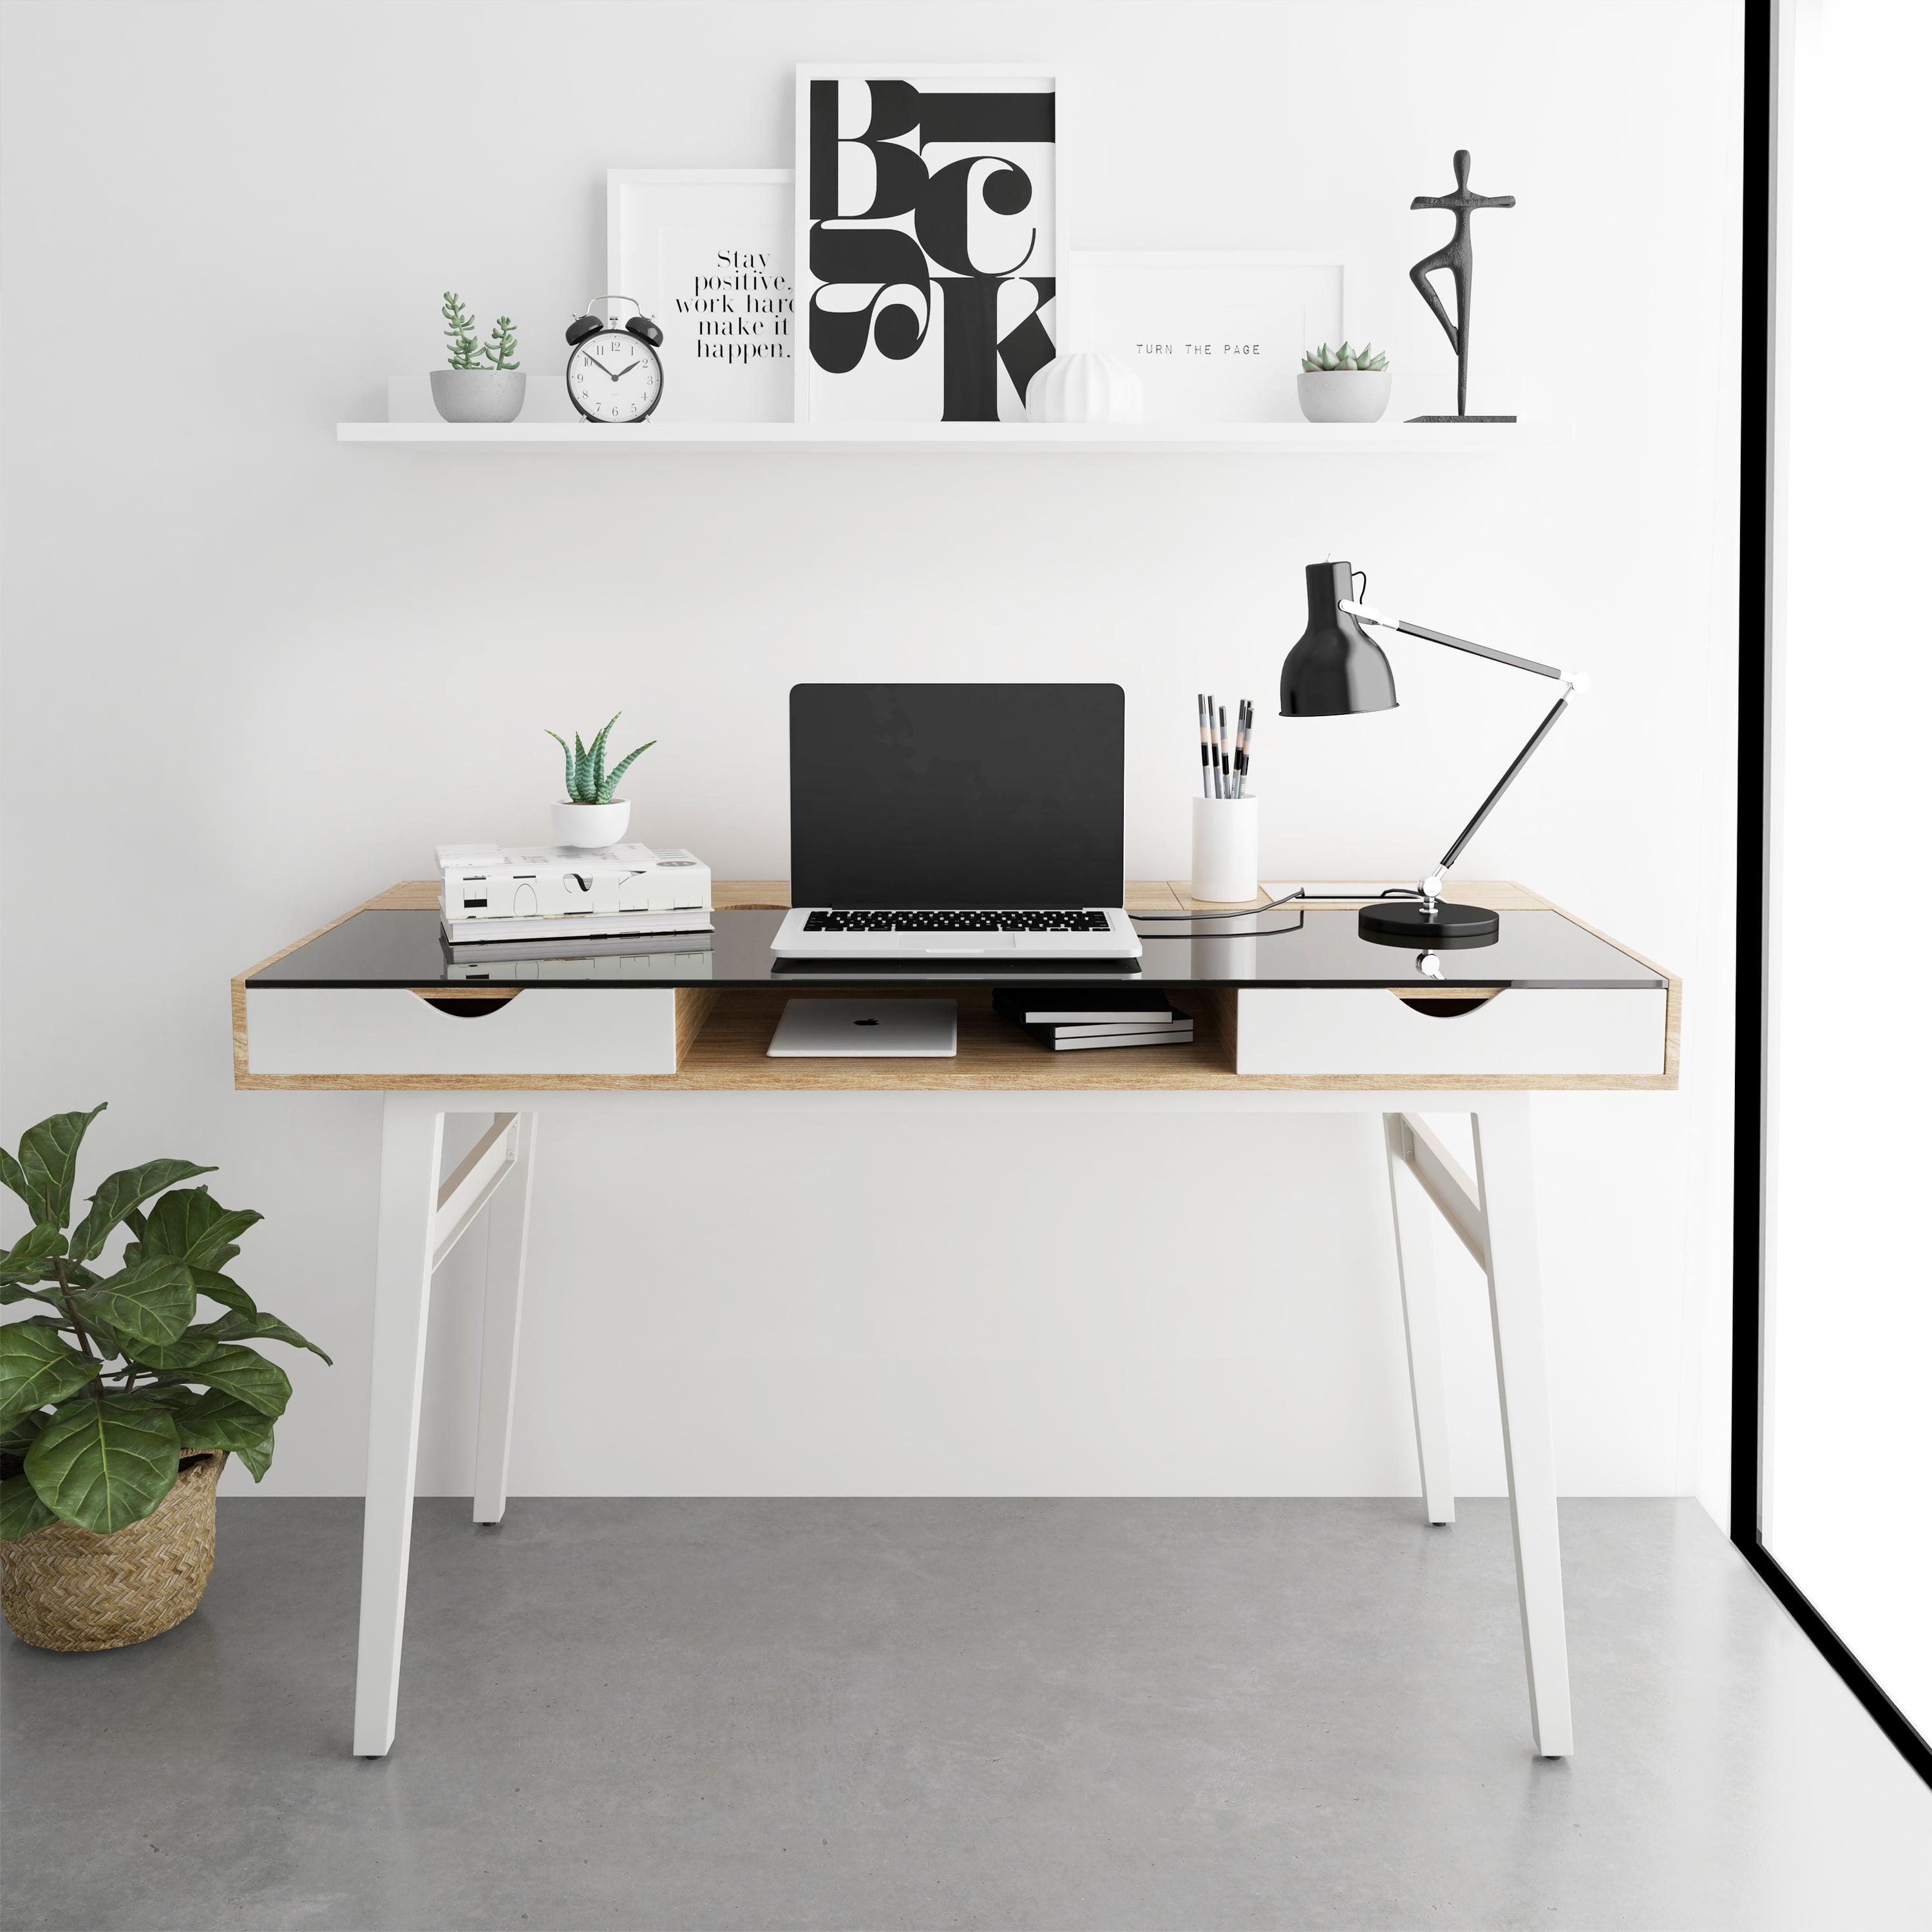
(1319, 947)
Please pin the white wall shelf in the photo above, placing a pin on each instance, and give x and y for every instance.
(1393, 438)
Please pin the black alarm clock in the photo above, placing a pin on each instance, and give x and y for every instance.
(613, 374)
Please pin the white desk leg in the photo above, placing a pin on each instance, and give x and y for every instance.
(1415, 1262)
(509, 1213)
(1506, 1178)
(405, 1260)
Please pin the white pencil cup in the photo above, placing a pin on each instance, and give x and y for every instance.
(1227, 839)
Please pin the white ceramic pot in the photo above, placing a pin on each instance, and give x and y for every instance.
(1085, 389)
(589, 825)
(477, 395)
(1343, 395)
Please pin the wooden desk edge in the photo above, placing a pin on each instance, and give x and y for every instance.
(694, 1005)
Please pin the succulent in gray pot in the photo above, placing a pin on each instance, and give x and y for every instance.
(118, 1409)
(1345, 385)
(482, 384)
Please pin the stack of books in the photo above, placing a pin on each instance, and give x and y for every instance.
(1074, 1019)
(556, 902)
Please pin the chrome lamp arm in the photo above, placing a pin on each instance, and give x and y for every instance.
(1574, 684)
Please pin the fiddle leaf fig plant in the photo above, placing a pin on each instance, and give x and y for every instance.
(109, 1380)
(585, 780)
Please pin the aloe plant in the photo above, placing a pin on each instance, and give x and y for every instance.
(585, 780)
(110, 1380)
(1315, 361)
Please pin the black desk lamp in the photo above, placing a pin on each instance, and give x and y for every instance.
(1336, 670)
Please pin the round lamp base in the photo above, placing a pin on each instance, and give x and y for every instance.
(1404, 923)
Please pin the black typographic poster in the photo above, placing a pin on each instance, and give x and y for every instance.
(928, 244)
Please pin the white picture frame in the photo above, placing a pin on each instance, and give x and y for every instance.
(677, 242)
(1215, 336)
(1004, 305)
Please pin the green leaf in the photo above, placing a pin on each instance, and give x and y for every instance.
(37, 1367)
(36, 1245)
(246, 1375)
(17, 1431)
(190, 1226)
(217, 1286)
(47, 1153)
(624, 764)
(580, 783)
(256, 1456)
(119, 1195)
(150, 1303)
(21, 1512)
(14, 1291)
(218, 1421)
(255, 1326)
(184, 1355)
(103, 1463)
(597, 745)
(568, 770)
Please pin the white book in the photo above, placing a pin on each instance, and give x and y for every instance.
(483, 883)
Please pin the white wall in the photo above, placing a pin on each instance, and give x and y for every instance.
(253, 676)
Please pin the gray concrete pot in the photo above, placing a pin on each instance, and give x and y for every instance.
(477, 395)
(1343, 395)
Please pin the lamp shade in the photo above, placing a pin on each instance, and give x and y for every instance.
(1335, 668)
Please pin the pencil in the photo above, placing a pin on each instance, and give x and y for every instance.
(1201, 711)
(1213, 756)
(1227, 769)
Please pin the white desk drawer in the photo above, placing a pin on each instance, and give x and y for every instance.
(390, 1030)
(1341, 1031)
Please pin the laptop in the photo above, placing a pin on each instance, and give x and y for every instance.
(967, 822)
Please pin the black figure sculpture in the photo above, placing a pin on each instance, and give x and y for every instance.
(1459, 257)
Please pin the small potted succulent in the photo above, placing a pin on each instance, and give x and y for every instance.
(1344, 385)
(587, 815)
(482, 384)
(117, 1409)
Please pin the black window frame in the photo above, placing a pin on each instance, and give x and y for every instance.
(1757, 455)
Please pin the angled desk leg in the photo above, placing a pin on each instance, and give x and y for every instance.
(1505, 1176)
(405, 1242)
(1415, 1262)
(503, 1323)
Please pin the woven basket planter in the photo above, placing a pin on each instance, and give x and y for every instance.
(65, 1589)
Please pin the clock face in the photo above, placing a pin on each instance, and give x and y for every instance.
(614, 378)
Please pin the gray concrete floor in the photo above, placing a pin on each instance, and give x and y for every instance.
(1077, 1715)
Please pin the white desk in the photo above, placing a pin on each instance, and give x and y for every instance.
(348, 1009)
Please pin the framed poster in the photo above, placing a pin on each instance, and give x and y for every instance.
(708, 252)
(1215, 338)
(930, 240)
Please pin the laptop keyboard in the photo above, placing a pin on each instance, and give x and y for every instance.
(872, 920)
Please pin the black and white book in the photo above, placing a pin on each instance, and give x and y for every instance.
(1084, 1005)
(1062, 1039)
(631, 945)
(1080, 1028)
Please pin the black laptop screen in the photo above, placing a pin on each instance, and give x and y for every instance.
(957, 794)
